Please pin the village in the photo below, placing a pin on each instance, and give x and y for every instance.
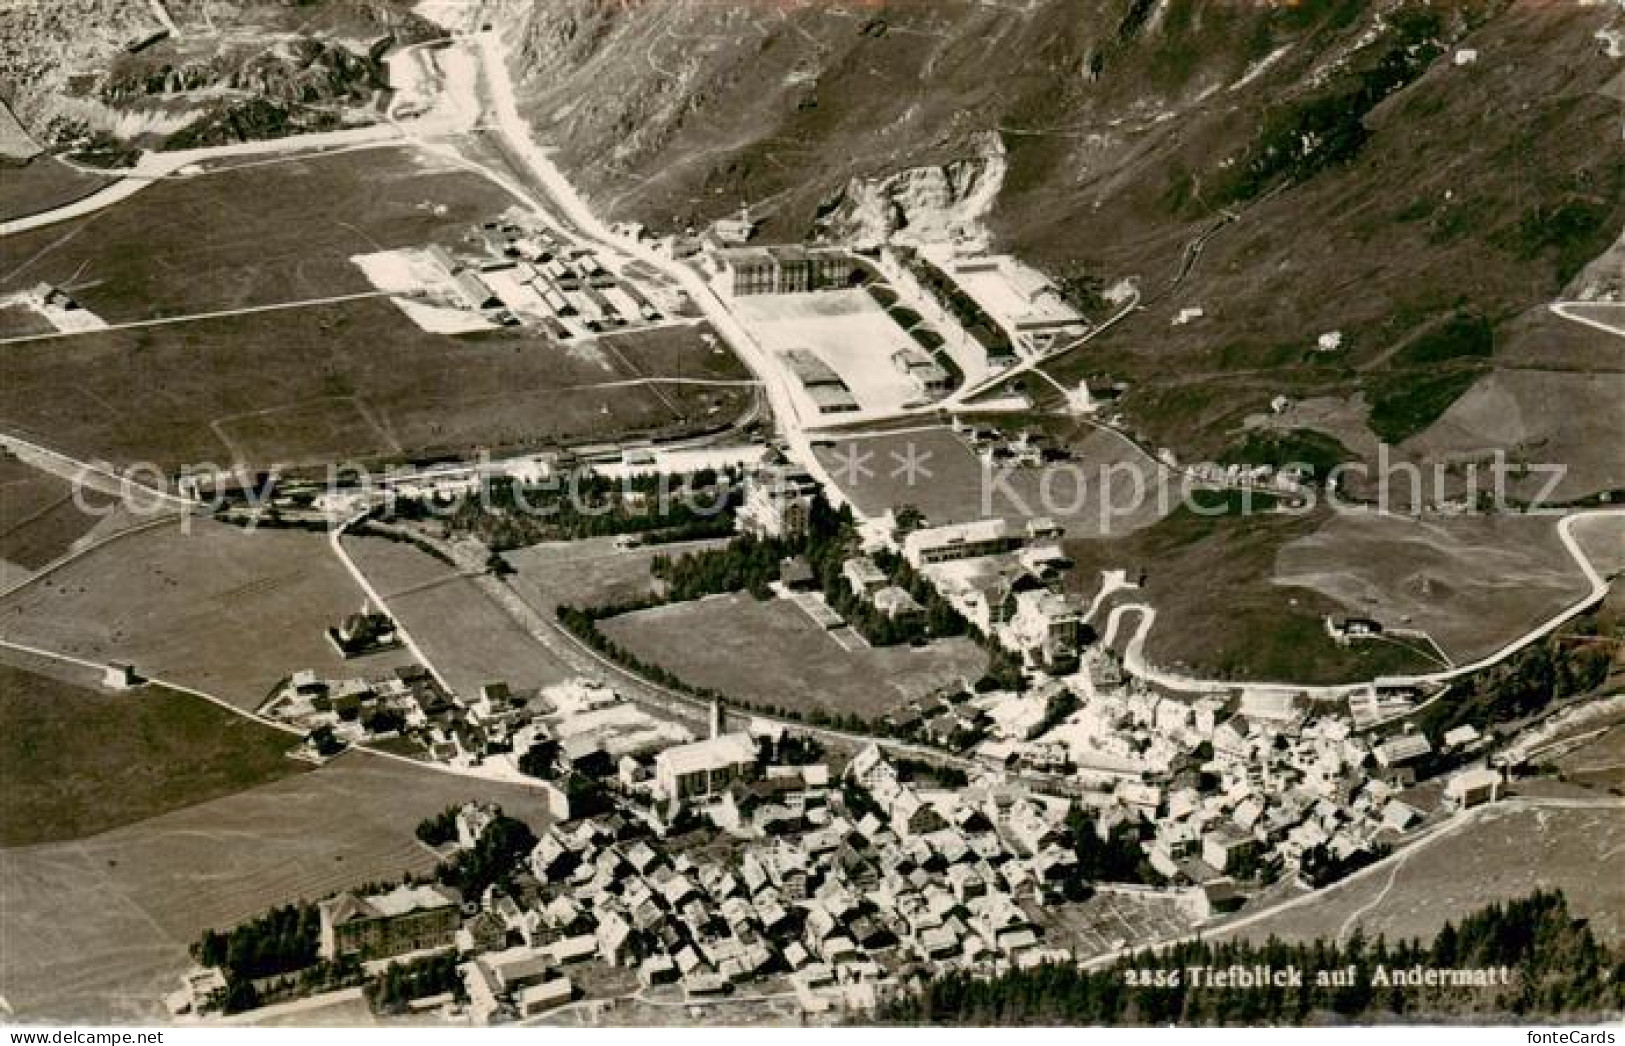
(985, 827)
(752, 860)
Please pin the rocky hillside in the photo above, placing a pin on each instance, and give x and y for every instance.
(186, 72)
(1415, 177)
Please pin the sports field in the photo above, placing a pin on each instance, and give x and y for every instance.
(221, 609)
(772, 653)
(97, 929)
(76, 759)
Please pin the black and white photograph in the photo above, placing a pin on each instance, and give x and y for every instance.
(857, 516)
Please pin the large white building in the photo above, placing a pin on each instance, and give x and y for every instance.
(705, 767)
(984, 537)
(1045, 629)
(781, 270)
(777, 502)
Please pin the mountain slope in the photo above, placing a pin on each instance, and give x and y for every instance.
(1398, 168)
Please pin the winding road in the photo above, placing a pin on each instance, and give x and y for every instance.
(1135, 662)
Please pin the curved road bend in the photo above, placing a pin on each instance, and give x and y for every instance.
(1134, 652)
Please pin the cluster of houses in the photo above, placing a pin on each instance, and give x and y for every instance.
(528, 275)
(1001, 575)
(837, 898)
(1288, 479)
(999, 449)
(359, 709)
(590, 724)
(1227, 785)
(511, 272)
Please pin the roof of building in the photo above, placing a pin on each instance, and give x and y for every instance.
(347, 907)
(894, 600)
(1461, 735)
(711, 754)
(959, 534)
(831, 399)
(1401, 748)
(1477, 777)
(810, 369)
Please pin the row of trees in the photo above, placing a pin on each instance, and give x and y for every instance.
(1560, 971)
(439, 829)
(427, 975)
(243, 993)
(282, 940)
(745, 564)
(492, 859)
(511, 514)
(1520, 686)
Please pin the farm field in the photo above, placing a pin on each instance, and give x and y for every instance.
(468, 637)
(1599, 763)
(952, 485)
(342, 382)
(76, 759)
(691, 351)
(589, 573)
(1471, 582)
(42, 184)
(1506, 852)
(39, 520)
(772, 653)
(1107, 921)
(21, 321)
(253, 235)
(98, 928)
(1602, 538)
(1511, 409)
(224, 610)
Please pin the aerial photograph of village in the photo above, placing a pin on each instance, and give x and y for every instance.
(822, 514)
